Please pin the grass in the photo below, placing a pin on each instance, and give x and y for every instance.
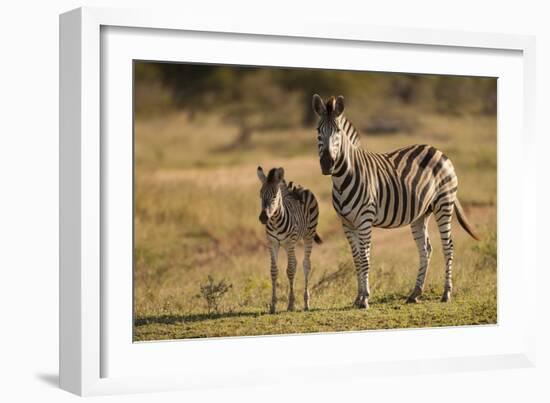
(382, 314)
(196, 216)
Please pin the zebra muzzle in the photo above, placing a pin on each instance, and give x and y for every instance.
(263, 217)
(326, 163)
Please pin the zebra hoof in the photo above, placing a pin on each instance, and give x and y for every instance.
(272, 309)
(361, 303)
(306, 300)
(446, 296)
(413, 298)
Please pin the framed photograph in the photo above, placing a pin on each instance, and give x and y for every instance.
(246, 202)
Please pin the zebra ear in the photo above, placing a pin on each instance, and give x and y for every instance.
(339, 107)
(280, 174)
(261, 175)
(318, 105)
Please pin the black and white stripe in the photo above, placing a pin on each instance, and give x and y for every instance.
(290, 214)
(390, 190)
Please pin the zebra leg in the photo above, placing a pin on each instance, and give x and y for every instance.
(274, 249)
(364, 247)
(443, 216)
(308, 245)
(291, 273)
(420, 234)
(353, 240)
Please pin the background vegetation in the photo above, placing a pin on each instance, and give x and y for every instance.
(201, 263)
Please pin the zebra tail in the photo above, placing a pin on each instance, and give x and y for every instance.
(317, 239)
(464, 221)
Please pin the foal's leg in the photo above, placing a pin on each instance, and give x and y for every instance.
(291, 273)
(308, 245)
(274, 250)
(420, 234)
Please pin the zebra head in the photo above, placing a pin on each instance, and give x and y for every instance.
(270, 193)
(329, 130)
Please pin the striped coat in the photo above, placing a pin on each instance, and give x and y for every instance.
(389, 190)
(290, 214)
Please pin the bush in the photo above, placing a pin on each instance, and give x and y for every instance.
(213, 293)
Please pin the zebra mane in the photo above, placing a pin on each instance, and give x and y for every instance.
(297, 192)
(350, 131)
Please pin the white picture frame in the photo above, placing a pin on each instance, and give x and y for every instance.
(97, 355)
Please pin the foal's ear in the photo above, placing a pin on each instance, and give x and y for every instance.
(318, 105)
(261, 175)
(339, 106)
(280, 174)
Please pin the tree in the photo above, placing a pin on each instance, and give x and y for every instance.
(255, 103)
(247, 97)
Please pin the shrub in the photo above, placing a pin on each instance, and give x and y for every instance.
(213, 293)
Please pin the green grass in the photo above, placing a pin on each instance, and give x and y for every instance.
(196, 216)
(382, 314)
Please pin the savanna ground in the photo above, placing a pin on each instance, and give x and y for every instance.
(196, 215)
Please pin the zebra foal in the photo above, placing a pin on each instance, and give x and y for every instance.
(389, 190)
(289, 213)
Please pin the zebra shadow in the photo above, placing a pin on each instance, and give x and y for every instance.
(391, 299)
(201, 317)
(191, 318)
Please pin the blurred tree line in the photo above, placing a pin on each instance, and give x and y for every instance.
(256, 99)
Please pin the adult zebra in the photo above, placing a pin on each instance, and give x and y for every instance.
(390, 190)
(290, 213)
